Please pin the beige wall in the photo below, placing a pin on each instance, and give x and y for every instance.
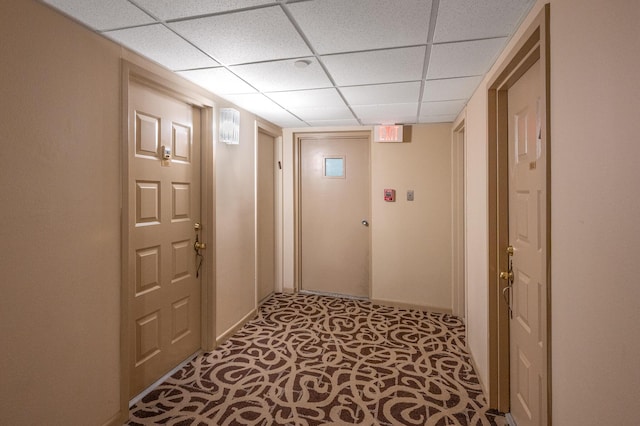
(595, 307)
(236, 223)
(595, 211)
(60, 220)
(235, 235)
(476, 231)
(60, 195)
(411, 241)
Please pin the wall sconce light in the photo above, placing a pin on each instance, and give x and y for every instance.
(230, 126)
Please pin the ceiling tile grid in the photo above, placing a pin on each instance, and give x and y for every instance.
(387, 113)
(441, 107)
(265, 108)
(309, 74)
(248, 36)
(160, 44)
(103, 15)
(464, 59)
(378, 66)
(318, 62)
(218, 80)
(450, 88)
(392, 93)
(460, 20)
(171, 9)
(308, 98)
(355, 25)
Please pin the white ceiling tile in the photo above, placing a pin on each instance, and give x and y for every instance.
(442, 107)
(450, 88)
(255, 102)
(171, 9)
(335, 123)
(243, 37)
(463, 59)
(381, 66)
(283, 75)
(322, 113)
(308, 98)
(163, 46)
(321, 104)
(102, 14)
(471, 19)
(218, 80)
(387, 114)
(438, 118)
(344, 26)
(291, 124)
(265, 108)
(285, 120)
(393, 93)
(380, 79)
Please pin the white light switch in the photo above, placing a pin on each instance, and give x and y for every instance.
(410, 195)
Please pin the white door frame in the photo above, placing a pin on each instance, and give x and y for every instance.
(533, 46)
(179, 89)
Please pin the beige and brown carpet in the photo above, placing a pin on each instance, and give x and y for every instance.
(318, 360)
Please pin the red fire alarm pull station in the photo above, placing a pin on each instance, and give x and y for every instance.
(390, 195)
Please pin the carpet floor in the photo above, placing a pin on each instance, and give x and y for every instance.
(318, 360)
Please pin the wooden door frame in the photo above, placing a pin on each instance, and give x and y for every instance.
(297, 175)
(458, 228)
(183, 91)
(276, 133)
(532, 46)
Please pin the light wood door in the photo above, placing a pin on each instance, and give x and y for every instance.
(334, 214)
(266, 215)
(527, 233)
(164, 205)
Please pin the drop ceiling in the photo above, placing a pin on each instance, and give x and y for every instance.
(366, 61)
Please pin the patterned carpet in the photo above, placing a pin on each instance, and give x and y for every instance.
(317, 360)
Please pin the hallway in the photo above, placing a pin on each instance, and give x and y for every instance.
(309, 359)
(62, 169)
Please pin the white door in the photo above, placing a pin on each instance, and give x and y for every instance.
(266, 215)
(527, 236)
(334, 214)
(164, 205)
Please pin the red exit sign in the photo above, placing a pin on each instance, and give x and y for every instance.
(391, 133)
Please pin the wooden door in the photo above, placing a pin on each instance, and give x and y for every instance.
(527, 233)
(164, 205)
(334, 214)
(266, 215)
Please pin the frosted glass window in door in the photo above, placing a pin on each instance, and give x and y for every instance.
(334, 167)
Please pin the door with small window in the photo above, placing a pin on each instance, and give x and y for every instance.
(334, 206)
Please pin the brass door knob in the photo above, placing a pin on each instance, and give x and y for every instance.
(506, 275)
